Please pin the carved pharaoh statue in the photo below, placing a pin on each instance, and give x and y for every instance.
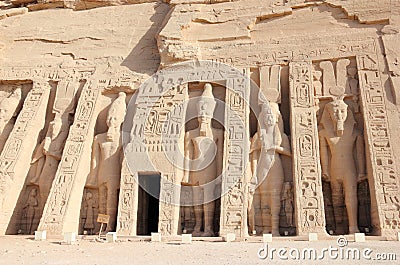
(288, 202)
(340, 141)
(106, 161)
(30, 209)
(204, 149)
(48, 154)
(89, 206)
(266, 148)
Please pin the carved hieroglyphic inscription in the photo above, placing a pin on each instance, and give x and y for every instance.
(56, 205)
(386, 182)
(15, 158)
(168, 195)
(149, 121)
(156, 132)
(233, 210)
(306, 167)
(128, 202)
(45, 73)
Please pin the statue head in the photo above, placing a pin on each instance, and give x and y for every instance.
(89, 195)
(206, 105)
(287, 187)
(116, 115)
(337, 111)
(268, 114)
(352, 71)
(56, 125)
(33, 192)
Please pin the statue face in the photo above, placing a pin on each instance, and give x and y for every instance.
(56, 124)
(88, 195)
(34, 192)
(268, 116)
(338, 114)
(205, 110)
(113, 121)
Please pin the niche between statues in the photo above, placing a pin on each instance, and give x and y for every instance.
(342, 147)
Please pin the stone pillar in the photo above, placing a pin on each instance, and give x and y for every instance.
(384, 180)
(16, 156)
(309, 204)
(236, 149)
(62, 209)
(128, 202)
(168, 221)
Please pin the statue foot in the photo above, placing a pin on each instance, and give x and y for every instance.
(276, 233)
(353, 230)
(196, 233)
(208, 233)
(265, 232)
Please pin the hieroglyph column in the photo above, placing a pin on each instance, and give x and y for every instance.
(62, 209)
(16, 156)
(310, 215)
(384, 180)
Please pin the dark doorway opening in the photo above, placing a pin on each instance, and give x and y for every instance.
(148, 204)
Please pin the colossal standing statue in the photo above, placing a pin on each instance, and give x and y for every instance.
(106, 161)
(30, 209)
(268, 146)
(48, 155)
(204, 152)
(340, 141)
(89, 207)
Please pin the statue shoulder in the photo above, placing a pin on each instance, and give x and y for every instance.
(189, 133)
(100, 137)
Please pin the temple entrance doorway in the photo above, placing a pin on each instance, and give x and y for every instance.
(149, 203)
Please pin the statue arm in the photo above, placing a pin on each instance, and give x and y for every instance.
(324, 153)
(360, 148)
(47, 139)
(91, 181)
(284, 149)
(220, 148)
(187, 157)
(36, 203)
(38, 154)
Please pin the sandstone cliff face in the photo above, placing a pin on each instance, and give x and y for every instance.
(68, 60)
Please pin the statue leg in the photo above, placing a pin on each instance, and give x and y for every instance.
(350, 193)
(209, 208)
(250, 215)
(265, 210)
(47, 176)
(102, 199)
(275, 209)
(112, 207)
(38, 171)
(198, 210)
(337, 201)
(257, 211)
(276, 183)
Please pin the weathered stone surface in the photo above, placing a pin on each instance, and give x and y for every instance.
(322, 79)
(12, 12)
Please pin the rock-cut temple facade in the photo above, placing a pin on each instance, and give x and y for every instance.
(200, 117)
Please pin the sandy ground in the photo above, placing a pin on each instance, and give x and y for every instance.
(24, 250)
